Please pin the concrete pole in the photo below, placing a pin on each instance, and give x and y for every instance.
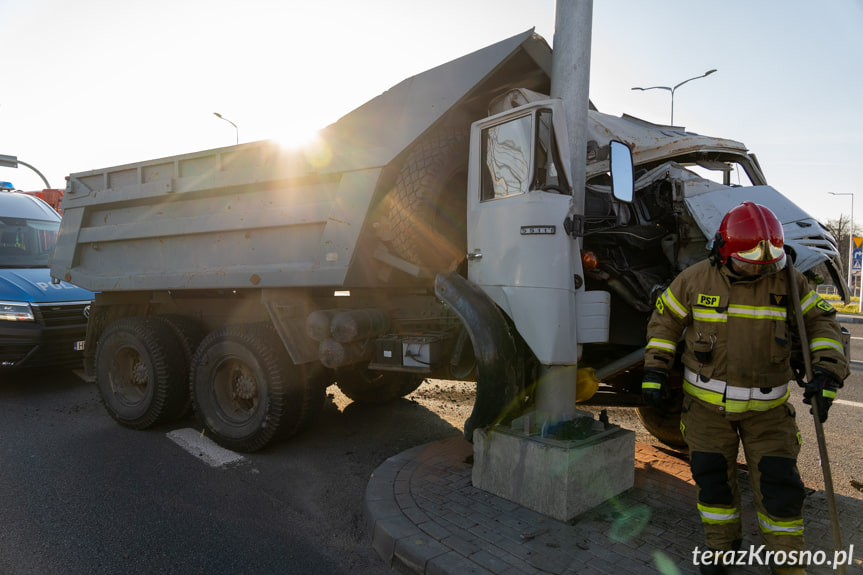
(570, 81)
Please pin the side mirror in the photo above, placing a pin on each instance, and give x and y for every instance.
(622, 181)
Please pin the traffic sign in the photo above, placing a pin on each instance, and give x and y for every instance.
(857, 256)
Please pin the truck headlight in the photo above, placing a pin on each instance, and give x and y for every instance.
(15, 311)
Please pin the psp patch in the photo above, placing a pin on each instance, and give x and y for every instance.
(825, 306)
(660, 306)
(708, 300)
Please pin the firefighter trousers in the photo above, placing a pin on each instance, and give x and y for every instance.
(771, 443)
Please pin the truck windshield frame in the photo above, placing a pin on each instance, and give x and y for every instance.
(548, 173)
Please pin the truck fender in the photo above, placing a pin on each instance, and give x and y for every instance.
(497, 374)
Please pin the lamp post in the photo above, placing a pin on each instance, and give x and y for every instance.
(673, 88)
(236, 129)
(850, 238)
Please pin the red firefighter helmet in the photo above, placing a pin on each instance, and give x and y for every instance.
(751, 236)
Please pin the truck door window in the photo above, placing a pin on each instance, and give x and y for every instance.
(548, 174)
(506, 150)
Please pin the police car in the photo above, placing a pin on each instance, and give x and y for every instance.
(42, 324)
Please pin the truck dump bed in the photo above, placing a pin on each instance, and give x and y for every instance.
(254, 215)
(251, 215)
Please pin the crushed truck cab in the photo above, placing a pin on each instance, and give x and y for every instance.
(431, 233)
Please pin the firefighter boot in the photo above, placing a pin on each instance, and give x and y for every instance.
(790, 570)
(713, 569)
(717, 568)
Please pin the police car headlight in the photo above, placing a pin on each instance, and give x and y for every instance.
(15, 311)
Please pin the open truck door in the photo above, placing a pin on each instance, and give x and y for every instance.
(518, 250)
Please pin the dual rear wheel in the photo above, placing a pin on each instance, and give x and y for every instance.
(244, 387)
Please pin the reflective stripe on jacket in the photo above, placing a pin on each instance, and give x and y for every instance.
(733, 399)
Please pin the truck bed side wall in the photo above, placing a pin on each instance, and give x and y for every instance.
(245, 216)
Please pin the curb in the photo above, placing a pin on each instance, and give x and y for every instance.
(423, 516)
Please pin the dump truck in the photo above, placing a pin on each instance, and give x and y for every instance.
(430, 233)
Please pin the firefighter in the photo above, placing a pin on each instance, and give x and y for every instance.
(734, 314)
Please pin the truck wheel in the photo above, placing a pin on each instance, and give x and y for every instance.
(362, 386)
(663, 425)
(428, 205)
(246, 391)
(189, 334)
(140, 372)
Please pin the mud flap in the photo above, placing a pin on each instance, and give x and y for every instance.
(497, 380)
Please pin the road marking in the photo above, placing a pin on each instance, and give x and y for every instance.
(846, 402)
(203, 448)
(852, 337)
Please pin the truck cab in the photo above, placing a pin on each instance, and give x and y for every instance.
(42, 323)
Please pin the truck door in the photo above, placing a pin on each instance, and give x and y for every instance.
(518, 251)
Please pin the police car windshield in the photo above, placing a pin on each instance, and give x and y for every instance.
(26, 243)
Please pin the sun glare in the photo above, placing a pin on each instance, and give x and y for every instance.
(298, 137)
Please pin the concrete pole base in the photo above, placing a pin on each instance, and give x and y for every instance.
(559, 478)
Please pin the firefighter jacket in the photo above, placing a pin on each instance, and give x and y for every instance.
(736, 336)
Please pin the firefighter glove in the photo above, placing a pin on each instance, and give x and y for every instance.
(654, 387)
(823, 388)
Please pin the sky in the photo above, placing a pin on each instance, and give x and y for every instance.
(87, 84)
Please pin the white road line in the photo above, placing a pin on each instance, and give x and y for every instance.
(852, 337)
(203, 448)
(846, 402)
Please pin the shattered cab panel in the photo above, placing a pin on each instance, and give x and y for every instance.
(685, 183)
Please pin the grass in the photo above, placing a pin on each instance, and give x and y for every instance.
(841, 307)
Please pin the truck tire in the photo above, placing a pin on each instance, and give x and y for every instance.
(140, 372)
(362, 386)
(663, 425)
(189, 334)
(246, 391)
(428, 204)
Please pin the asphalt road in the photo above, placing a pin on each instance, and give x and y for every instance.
(80, 494)
(843, 429)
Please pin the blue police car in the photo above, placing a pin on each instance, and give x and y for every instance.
(42, 324)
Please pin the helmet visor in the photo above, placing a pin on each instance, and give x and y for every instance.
(763, 253)
(758, 269)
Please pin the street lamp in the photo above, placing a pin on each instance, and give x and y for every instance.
(850, 238)
(218, 115)
(672, 89)
(13, 162)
